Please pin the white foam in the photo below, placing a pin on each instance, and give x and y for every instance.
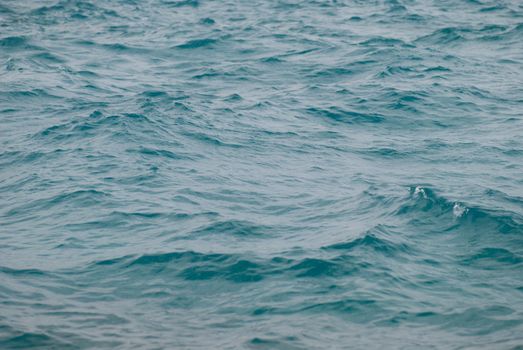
(419, 191)
(459, 210)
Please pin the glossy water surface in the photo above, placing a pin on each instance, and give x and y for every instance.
(276, 174)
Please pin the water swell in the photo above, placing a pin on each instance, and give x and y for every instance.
(345, 259)
(470, 217)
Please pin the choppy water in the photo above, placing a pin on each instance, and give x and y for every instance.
(261, 174)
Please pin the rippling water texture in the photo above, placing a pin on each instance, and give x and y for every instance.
(279, 174)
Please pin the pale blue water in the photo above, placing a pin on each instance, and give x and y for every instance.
(292, 174)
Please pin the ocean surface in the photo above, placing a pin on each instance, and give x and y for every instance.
(278, 174)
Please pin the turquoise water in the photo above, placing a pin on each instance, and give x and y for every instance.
(280, 174)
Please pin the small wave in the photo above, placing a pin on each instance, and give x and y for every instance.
(371, 240)
(471, 321)
(207, 21)
(79, 198)
(29, 340)
(288, 342)
(492, 258)
(361, 310)
(234, 227)
(426, 200)
(272, 59)
(339, 115)
(22, 272)
(181, 3)
(197, 43)
(462, 35)
(72, 10)
(4, 9)
(211, 139)
(385, 42)
(191, 265)
(28, 95)
(393, 70)
(99, 125)
(47, 57)
(313, 267)
(14, 42)
(426, 206)
(498, 7)
(444, 36)
(163, 153)
(501, 33)
(198, 266)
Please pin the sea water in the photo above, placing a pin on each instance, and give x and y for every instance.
(278, 174)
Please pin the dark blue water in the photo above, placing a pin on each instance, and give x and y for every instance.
(292, 174)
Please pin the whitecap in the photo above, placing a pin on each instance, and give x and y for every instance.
(419, 191)
(459, 210)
